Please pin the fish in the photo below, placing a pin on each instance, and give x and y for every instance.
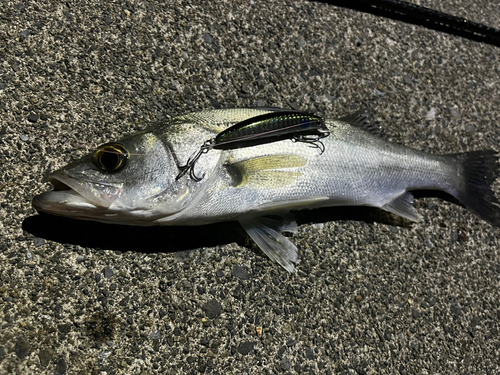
(135, 181)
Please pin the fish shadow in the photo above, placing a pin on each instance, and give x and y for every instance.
(124, 238)
(172, 239)
(175, 238)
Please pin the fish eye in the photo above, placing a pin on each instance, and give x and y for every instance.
(110, 157)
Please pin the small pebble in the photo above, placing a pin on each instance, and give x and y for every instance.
(240, 272)
(285, 364)
(407, 78)
(32, 118)
(470, 128)
(24, 34)
(108, 273)
(208, 38)
(38, 242)
(212, 309)
(245, 347)
(155, 335)
(260, 103)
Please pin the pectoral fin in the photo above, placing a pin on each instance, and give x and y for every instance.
(403, 206)
(270, 171)
(266, 232)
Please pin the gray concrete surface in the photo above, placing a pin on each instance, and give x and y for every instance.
(372, 294)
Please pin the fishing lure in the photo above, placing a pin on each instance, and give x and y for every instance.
(270, 127)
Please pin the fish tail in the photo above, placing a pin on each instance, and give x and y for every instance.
(479, 169)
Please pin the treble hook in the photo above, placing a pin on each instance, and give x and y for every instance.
(313, 141)
(189, 167)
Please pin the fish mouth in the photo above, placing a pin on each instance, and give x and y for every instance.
(72, 194)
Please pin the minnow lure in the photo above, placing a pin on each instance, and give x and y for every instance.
(270, 127)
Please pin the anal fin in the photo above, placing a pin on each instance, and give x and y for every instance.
(403, 206)
(266, 232)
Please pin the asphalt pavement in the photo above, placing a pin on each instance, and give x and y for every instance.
(372, 294)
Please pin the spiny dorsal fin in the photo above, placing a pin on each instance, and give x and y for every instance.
(363, 120)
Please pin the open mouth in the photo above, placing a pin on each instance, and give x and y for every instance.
(58, 185)
(78, 191)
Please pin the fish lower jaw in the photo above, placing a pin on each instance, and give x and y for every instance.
(62, 202)
(68, 203)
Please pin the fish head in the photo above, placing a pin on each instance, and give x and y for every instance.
(126, 182)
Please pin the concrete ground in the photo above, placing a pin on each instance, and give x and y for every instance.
(372, 294)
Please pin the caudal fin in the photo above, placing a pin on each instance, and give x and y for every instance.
(480, 169)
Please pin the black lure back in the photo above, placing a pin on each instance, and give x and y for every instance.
(271, 127)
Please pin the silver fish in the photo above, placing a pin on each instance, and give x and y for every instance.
(133, 181)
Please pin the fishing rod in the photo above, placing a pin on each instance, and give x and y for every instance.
(422, 16)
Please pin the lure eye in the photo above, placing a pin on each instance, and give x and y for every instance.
(110, 157)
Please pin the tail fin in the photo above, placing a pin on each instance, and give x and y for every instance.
(480, 169)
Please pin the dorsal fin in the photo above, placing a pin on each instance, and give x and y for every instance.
(362, 119)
